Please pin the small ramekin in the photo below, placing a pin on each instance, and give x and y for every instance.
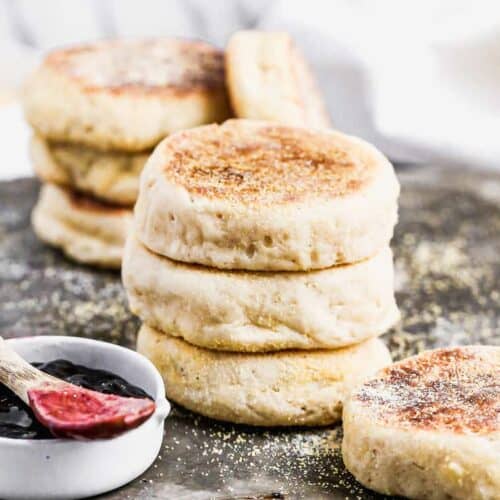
(64, 468)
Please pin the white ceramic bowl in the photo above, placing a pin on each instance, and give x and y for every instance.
(64, 468)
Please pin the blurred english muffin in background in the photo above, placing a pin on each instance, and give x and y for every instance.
(261, 196)
(126, 94)
(111, 176)
(86, 230)
(99, 109)
(268, 79)
(261, 311)
(271, 389)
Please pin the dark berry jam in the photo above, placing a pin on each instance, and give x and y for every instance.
(16, 418)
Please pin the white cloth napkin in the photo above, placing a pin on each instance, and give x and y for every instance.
(421, 80)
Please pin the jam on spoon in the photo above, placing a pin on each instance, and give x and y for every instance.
(69, 410)
(17, 420)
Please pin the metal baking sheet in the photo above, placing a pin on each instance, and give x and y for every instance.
(447, 273)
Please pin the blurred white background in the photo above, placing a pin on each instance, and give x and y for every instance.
(421, 79)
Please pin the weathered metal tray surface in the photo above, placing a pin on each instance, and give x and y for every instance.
(446, 247)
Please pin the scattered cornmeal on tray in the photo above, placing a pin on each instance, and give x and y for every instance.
(429, 426)
(97, 111)
(259, 262)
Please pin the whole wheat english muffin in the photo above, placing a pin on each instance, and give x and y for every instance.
(86, 230)
(428, 427)
(268, 79)
(109, 176)
(272, 389)
(126, 94)
(261, 311)
(260, 196)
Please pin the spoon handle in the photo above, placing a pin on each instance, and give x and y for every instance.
(18, 375)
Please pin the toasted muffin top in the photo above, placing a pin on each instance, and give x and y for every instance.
(149, 66)
(246, 161)
(455, 390)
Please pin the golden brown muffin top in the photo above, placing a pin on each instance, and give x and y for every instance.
(455, 389)
(251, 161)
(149, 66)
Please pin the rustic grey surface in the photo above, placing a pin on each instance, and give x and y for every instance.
(446, 245)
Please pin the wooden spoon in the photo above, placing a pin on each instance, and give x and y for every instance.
(68, 410)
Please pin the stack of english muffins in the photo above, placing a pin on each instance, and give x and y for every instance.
(259, 263)
(97, 111)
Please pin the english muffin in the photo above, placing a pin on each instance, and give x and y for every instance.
(261, 311)
(272, 389)
(260, 196)
(126, 94)
(86, 230)
(109, 176)
(268, 79)
(428, 427)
